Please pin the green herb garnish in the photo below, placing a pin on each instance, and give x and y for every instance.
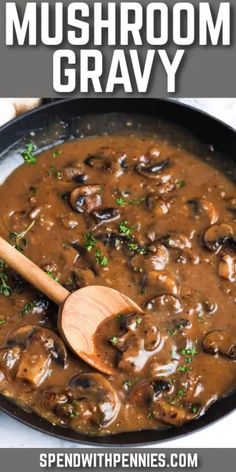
(4, 288)
(183, 368)
(120, 201)
(137, 201)
(180, 183)
(120, 317)
(127, 384)
(136, 248)
(194, 409)
(73, 414)
(50, 274)
(189, 351)
(2, 322)
(89, 241)
(126, 229)
(2, 265)
(181, 393)
(100, 258)
(27, 308)
(57, 153)
(114, 340)
(171, 331)
(28, 155)
(19, 238)
(54, 172)
(138, 320)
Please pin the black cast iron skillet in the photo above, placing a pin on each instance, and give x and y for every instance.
(205, 128)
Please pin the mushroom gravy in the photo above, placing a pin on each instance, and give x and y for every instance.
(155, 222)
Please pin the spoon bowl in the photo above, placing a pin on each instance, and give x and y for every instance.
(81, 315)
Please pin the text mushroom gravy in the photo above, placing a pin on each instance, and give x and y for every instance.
(155, 222)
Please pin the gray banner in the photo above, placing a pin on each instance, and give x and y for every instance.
(206, 71)
(35, 460)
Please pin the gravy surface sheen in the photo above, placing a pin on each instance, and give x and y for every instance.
(152, 220)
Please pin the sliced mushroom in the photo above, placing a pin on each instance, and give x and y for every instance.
(217, 235)
(168, 304)
(176, 241)
(74, 173)
(113, 240)
(38, 347)
(9, 358)
(227, 268)
(201, 206)
(220, 342)
(86, 198)
(183, 256)
(172, 414)
(165, 282)
(145, 391)
(94, 394)
(106, 215)
(68, 222)
(157, 261)
(152, 336)
(166, 187)
(153, 170)
(99, 162)
(158, 204)
(231, 205)
(106, 159)
(84, 277)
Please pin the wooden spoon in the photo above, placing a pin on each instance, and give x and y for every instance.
(80, 313)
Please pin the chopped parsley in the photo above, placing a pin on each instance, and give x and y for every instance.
(189, 351)
(133, 201)
(137, 201)
(51, 275)
(114, 340)
(120, 317)
(89, 241)
(126, 229)
(180, 183)
(138, 320)
(54, 172)
(28, 154)
(183, 368)
(195, 409)
(27, 308)
(4, 287)
(100, 258)
(127, 384)
(136, 248)
(2, 322)
(120, 201)
(181, 393)
(57, 153)
(2, 265)
(73, 414)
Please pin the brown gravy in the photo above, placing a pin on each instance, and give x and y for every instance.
(157, 223)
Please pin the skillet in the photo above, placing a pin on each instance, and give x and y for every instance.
(66, 112)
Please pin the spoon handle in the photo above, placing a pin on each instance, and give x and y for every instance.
(32, 273)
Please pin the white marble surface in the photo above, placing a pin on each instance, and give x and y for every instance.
(220, 434)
